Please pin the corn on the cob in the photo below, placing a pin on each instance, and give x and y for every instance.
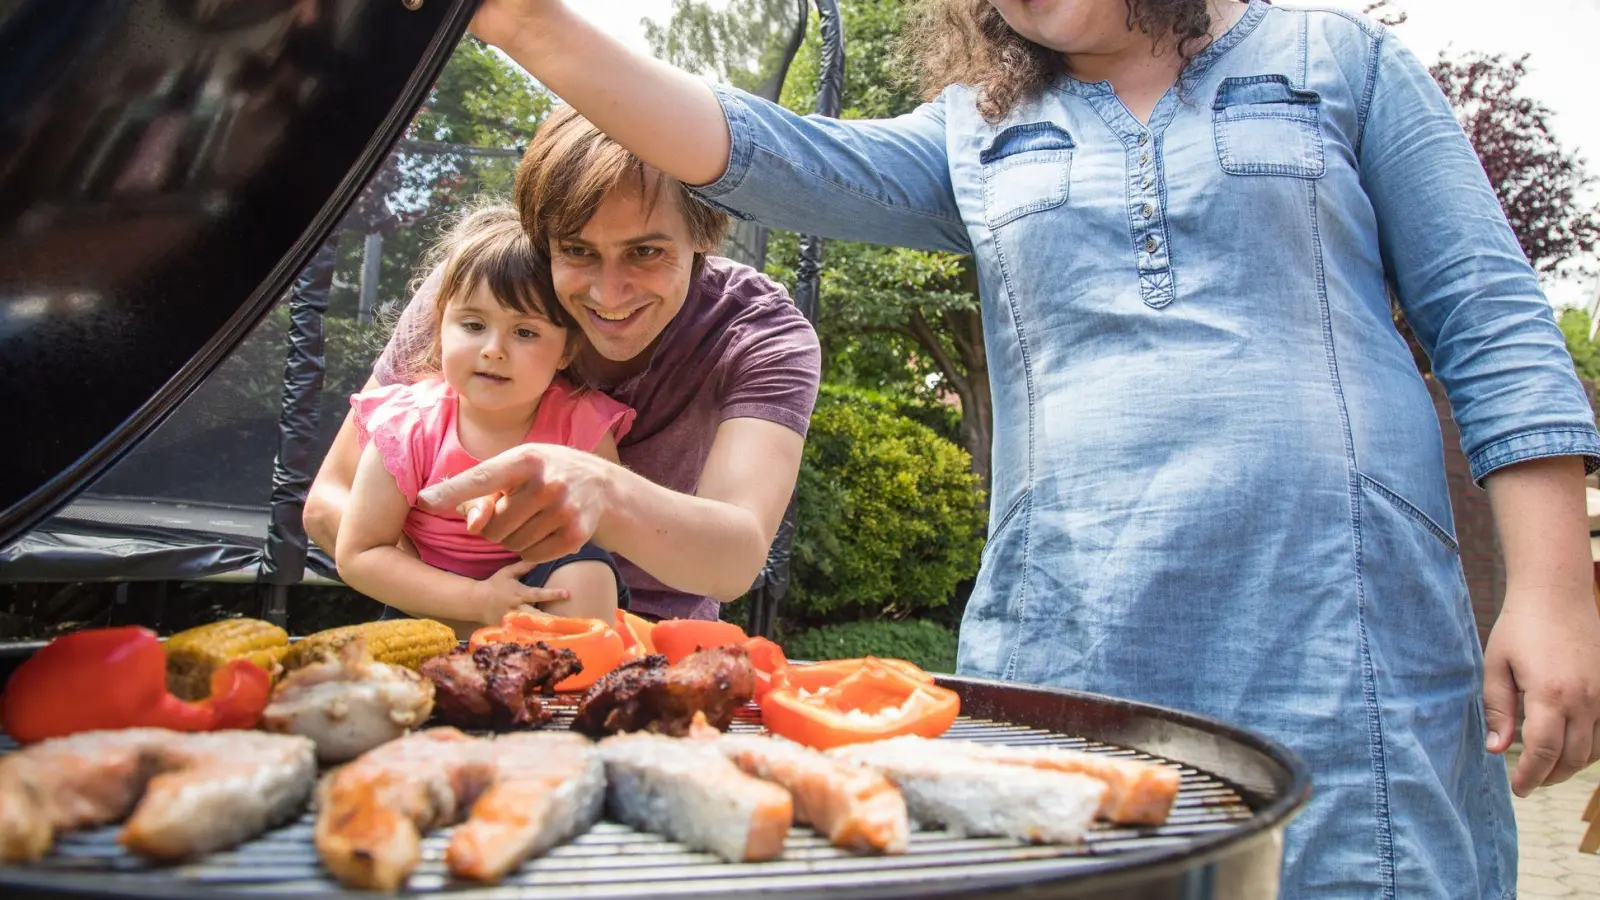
(194, 654)
(401, 642)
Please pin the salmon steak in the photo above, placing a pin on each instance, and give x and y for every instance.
(689, 791)
(520, 795)
(182, 795)
(855, 808)
(979, 798)
(1137, 792)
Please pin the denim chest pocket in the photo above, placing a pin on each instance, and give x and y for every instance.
(1266, 126)
(1026, 169)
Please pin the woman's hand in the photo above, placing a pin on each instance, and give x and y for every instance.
(504, 592)
(500, 23)
(1546, 643)
(540, 501)
(1554, 662)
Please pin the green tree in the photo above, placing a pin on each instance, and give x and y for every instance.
(464, 142)
(1575, 326)
(901, 321)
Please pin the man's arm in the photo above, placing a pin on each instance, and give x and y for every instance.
(551, 499)
(1546, 642)
(330, 491)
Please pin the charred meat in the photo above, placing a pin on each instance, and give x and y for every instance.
(497, 685)
(649, 695)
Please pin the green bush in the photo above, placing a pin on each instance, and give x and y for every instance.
(928, 644)
(890, 515)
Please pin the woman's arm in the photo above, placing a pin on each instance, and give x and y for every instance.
(1474, 302)
(370, 561)
(1546, 642)
(886, 182)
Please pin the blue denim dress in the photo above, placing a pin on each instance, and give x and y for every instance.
(1218, 478)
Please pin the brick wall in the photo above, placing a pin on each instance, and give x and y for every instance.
(1480, 545)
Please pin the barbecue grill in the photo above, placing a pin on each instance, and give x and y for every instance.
(1223, 839)
(166, 167)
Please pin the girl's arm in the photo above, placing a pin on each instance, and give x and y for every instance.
(887, 182)
(369, 560)
(1474, 302)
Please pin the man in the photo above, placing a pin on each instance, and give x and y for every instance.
(719, 365)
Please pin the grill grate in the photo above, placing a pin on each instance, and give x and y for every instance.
(614, 861)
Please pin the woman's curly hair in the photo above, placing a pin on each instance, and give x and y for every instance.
(947, 42)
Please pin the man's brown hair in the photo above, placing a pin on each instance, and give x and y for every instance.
(570, 168)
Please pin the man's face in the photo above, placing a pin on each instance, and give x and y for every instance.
(627, 273)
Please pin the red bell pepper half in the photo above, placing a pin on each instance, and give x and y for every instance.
(106, 678)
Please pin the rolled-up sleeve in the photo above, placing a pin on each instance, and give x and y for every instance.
(1462, 279)
(880, 181)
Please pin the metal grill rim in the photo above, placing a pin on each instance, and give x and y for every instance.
(613, 860)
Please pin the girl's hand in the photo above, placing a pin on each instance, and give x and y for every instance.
(504, 592)
(1554, 661)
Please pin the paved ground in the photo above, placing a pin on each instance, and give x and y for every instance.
(1549, 825)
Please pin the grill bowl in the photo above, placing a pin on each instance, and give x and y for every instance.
(1224, 838)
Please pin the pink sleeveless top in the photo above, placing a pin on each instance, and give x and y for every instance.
(414, 427)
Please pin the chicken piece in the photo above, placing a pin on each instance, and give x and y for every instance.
(526, 793)
(854, 807)
(348, 703)
(649, 695)
(188, 794)
(548, 787)
(689, 791)
(496, 686)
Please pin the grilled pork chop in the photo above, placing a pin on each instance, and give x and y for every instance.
(649, 695)
(188, 793)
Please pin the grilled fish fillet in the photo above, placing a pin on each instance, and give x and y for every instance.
(1138, 793)
(856, 808)
(188, 794)
(548, 787)
(525, 793)
(980, 798)
(689, 791)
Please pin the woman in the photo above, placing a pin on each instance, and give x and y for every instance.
(1218, 477)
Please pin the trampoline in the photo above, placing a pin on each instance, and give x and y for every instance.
(215, 491)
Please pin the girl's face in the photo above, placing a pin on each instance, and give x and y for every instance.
(496, 358)
(1084, 27)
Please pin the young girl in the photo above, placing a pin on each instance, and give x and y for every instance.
(1218, 479)
(495, 383)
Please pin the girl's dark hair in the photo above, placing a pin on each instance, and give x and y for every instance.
(947, 42)
(488, 246)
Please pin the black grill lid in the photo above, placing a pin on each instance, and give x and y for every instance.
(166, 166)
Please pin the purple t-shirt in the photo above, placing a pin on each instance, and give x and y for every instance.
(737, 349)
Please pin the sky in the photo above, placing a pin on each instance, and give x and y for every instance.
(1560, 36)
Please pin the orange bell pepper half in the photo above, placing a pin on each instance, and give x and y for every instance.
(677, 638)
(874, 702)
(109, 678)
(813, 676)
(635, 633)
(597, 645)
(769, 662)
